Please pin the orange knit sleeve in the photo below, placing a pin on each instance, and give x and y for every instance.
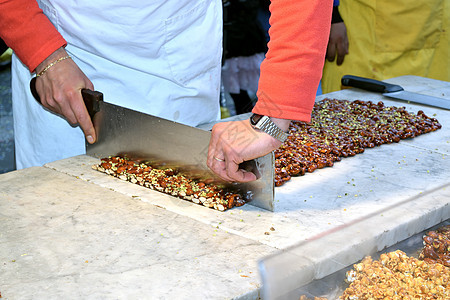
(26, 30)
(292, 69)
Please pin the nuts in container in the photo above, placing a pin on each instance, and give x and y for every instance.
(437, 246)
(397, 276)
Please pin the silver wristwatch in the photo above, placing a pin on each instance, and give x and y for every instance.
(265, 124)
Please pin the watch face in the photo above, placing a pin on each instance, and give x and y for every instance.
(254, 119)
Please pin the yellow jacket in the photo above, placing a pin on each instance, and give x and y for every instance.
(393, 38)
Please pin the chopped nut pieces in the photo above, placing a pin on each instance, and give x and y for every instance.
(437, 246)
(341, 128)
(170, 182)
(397, 276)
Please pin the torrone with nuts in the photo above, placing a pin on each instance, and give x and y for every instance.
(170, 182)
(341, 128)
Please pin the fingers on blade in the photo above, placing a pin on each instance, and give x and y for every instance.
(81, 114)
(239, 175)
(214, 148)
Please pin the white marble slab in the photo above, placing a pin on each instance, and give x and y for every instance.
(331, 251)
(307, 205)
(370, 186)
(63, 238)
(324, 199)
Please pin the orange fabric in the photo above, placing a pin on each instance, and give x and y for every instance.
(291, 72)
(26, 30)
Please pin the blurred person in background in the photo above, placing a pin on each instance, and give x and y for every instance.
(338, 44)
(245, 46)
(393, 38)
(337, 47)
(246, 26)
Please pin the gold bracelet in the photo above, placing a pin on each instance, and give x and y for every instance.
(52, 64)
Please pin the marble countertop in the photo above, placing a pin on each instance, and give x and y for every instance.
(71, 232)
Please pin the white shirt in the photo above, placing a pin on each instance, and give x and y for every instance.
(160, 57)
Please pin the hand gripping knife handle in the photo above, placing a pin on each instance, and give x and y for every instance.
(91, 98)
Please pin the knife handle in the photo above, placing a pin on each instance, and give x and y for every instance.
(370, 84)
(91, 98)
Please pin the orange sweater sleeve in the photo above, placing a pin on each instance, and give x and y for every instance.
(26, 30)
(292, 69)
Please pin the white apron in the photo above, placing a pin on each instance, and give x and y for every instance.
(161, 57)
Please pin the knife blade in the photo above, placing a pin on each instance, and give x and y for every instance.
(393, 91)
(165, 143)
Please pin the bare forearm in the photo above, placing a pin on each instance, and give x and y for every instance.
(283, 124)
(59, 53)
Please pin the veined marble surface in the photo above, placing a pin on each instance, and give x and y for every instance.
(319, 201)
(93, 235)
(63, 238)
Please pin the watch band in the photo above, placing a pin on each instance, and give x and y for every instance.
(265, 124)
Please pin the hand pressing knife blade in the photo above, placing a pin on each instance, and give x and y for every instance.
(393, 91)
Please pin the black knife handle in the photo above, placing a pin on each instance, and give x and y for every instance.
(91, 98)
(370, 84)
(92, 101)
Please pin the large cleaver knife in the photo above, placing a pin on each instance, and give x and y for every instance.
(393, 91)
(122, 131)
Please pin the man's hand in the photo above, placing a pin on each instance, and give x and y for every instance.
(235, 142)
(60, 88)
(337, 43)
